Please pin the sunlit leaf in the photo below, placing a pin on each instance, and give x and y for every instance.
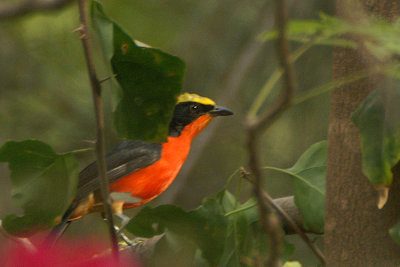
(43, 183)
(150, 81)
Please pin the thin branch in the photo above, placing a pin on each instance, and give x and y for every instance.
(29, 6)
(100, 153)
(288, 220)
(267, 118)
(268, 220)
(290, 208)
(256, 126)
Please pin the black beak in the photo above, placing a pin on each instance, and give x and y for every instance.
(220, 111)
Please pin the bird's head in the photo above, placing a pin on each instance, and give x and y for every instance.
(193, 113)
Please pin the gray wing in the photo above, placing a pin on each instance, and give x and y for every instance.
(126, 157)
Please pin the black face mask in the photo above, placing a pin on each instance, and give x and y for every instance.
(184, 114)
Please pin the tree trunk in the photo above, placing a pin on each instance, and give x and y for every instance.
(356, 231)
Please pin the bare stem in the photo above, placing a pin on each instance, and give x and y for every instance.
(100, 153)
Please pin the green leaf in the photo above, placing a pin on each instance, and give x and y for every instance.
(44, 184)
(150, 80)
(395, 232)
(380, 140)
(104, 27)
(309, 175)
(204, 226)
(219, 239)
(238, 231)
(309, 191)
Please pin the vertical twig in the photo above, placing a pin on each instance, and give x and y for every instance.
(96, 92)
(268, 220)
(256, 126)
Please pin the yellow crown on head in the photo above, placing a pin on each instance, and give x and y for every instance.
(187, 97)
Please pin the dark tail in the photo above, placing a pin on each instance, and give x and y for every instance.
(57, 232)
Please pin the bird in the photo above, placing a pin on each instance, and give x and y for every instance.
(141, 169)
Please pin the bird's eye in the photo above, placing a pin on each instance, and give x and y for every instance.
(194, 108)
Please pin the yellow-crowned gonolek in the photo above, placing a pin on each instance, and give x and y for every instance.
(145, 170)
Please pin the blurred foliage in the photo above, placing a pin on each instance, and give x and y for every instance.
(326, 31)
(380, 37)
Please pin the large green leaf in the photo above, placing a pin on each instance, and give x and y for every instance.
(44, 184)
(150, 81)
(309, 186)
(380, 141)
